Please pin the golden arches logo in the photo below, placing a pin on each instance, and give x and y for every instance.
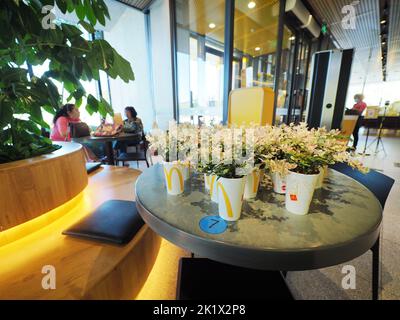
(227, 201)
(168, 175)
(211, 180)
(256, 180)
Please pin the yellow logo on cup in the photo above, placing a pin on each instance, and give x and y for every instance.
(211, 184)
(256, 180)
(227, 201)
(168, 175)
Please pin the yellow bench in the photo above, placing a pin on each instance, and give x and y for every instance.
(84, 269)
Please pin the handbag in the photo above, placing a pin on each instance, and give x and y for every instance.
(79, 129)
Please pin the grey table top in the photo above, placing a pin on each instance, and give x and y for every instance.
(344, 222)
(119, 137)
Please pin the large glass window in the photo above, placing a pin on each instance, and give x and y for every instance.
(285, 77)
(200, 66)
(255, 43)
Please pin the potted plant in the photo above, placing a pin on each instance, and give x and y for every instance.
(256, 173)
(72, 58)
(230, 186)
(165, 143)
(309, 151)
(269, 148)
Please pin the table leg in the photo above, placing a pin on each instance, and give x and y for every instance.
(110, 153)
(375, 270)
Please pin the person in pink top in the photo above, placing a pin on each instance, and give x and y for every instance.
(359, 107)
(67, 114)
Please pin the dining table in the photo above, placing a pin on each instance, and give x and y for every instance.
(343, 223)
(108, 142)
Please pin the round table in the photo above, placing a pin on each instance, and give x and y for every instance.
(344, 222)
(108, 142)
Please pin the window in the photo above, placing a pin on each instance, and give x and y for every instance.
(200, 65)
(255, 43)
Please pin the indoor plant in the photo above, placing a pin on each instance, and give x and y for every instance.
(230, 186)
(25, 43)
(165, 143)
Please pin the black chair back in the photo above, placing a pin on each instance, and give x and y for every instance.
(378, 183)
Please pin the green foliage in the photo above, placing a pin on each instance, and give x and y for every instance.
(72, 59)
(228, 170)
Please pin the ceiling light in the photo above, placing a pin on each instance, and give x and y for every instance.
(383, 21)
(251, 4)
(212, 25)
(257, 49)
(292, 38)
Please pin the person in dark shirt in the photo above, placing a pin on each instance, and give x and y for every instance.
(132, 124)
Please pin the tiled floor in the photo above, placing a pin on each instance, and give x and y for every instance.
(326, 283)
(323, 283)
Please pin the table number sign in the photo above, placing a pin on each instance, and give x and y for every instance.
(213, 224)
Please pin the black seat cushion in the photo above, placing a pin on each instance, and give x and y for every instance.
(201, 278)
(92, 166)
(115, 221)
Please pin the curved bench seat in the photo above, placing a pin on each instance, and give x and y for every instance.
(84, 269)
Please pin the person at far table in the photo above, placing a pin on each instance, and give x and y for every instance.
(66, 115)
(358, 109)
(132, 124)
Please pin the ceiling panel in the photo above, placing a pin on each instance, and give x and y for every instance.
(393, 64)
(364, 37)
(137, 4)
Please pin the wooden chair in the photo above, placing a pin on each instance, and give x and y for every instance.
(348, 124)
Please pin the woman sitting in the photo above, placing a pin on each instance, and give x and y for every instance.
(132, 124)
(66, 115)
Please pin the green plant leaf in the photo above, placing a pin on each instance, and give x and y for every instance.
(80, 11)
(90, 13)
(6, 112)
(88, 27)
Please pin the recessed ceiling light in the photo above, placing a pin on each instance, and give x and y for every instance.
(383, 21)
(257, 48)
(251, 4)
(212, 25)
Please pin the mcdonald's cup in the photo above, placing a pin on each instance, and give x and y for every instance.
(174, 178)
(230, 197)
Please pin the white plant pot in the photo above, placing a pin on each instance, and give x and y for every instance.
(321, 177)
(252, 183)
(186, 171)
(213, 188)
(299, 192)
(207, 179)
(230, 198)
(174, 178)
(278, 182)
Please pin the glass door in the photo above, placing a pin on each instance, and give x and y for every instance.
(298, 98)
(285, 77)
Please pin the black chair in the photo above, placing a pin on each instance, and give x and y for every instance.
(139, 155)
(380, 185)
